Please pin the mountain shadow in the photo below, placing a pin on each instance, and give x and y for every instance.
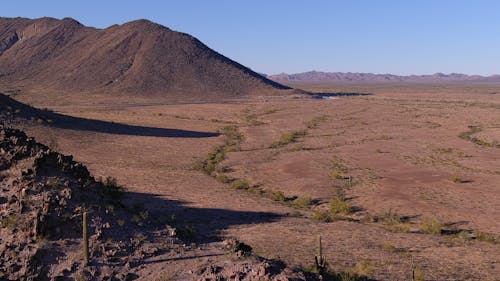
(14, 112)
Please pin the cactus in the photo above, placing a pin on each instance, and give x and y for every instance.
(320, 262)
(85, 240)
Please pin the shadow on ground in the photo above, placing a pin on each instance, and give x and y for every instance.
(201, 225)
(14, 111)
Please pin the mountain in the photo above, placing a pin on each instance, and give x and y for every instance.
(139, 58)
(316, 76)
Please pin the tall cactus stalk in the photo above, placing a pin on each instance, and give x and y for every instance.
(318, 259)
(85, 240)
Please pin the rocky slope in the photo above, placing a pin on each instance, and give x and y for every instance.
(138, 58)
(43, 196)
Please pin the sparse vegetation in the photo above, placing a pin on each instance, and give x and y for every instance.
(431, 226)
(314, 123)
(393, 222)
(456, 179)
(188, 231)
(302, 202)
(337, 210)
(233, 137)
(278, 196)
(240, 184)
(222, 178)
(289, 137)
(362, 269)
(9, 221)
(467, 135)
(486, 237)
(339, 207)
(112, 187)
(418, 274)
(212, 161)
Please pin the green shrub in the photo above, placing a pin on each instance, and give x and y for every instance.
(322, 216)
(339, 207)
(210, 163)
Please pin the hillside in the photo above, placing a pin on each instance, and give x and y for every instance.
(317, 76)
(138, 58)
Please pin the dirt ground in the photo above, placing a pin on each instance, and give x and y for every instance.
(407, 159)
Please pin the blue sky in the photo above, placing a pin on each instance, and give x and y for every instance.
(273, 36)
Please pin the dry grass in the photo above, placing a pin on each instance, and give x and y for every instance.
(431, 226)
(289, 137)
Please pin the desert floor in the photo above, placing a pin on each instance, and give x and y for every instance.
(418, 165)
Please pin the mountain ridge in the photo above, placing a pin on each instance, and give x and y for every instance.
(135, 58)
(318, 76)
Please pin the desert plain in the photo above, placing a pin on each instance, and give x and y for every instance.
(393, 177)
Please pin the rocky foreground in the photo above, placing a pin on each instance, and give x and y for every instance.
(43, 196)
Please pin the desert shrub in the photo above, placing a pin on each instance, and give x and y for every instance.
(233, 136)
(112, 187)
(222, 178)
(456, 179)
(240, 184)
(302, 202)
(393, 222)
(321, 215)
(288, 138)
(337, 176)
(9, 222)
(54, 183)
(486, 237)
(188, 231)
(339, 207)
(209, 164)
(431, 226)
(314, 123)
(278, 196)
(362, 269)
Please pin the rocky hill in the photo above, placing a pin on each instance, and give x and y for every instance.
(138, 58)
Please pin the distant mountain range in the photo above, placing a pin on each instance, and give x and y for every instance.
(317, 76)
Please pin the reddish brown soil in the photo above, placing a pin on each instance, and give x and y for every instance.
(403, 148)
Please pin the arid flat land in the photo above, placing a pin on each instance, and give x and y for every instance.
(406, 177)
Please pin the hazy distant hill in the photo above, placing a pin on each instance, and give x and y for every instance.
(138, 58)
(316, 76)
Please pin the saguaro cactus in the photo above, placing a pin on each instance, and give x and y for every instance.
(318, 259)
(85, 240)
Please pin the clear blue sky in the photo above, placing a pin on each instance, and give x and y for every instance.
(272, 36)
